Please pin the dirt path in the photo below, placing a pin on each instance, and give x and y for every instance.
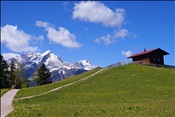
(83, 79)
(6, 102)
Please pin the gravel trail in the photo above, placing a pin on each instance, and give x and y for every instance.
(6, 102)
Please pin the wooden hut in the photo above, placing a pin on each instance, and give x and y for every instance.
(155, 56)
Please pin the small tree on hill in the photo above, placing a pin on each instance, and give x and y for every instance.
(43, 76)
(21, 81)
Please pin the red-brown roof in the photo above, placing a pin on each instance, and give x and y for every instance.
(147, 52)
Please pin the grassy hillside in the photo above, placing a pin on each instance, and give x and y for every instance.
(43, 88)
(130, 90)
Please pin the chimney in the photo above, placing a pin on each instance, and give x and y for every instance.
(144, 49)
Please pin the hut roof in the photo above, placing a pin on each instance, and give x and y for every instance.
(148, 51)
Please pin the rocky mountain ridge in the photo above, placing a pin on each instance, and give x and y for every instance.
(31, 61)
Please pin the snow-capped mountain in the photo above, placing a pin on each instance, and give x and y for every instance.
(60, 70)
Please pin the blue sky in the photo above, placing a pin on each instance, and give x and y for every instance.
(101, 32)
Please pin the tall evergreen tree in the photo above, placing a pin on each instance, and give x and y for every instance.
(43, 76)
(4, 77)
(13, 77)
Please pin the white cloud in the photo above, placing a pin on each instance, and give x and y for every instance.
(106, 39)
(97, 12)
(122, 33)
(7, 56)
(127, 53)
(17, 40)
(62, 36)
(43, 24)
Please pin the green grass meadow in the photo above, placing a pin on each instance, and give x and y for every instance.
(132, 90)
(43, 88)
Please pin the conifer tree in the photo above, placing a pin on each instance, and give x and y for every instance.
(4, 77)
(43, 75)
(13, 77)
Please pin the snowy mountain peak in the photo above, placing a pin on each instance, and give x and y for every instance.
(84, 64)
(10, 55)
(84, 61)
(46, 53)
(87, 65)
(31, 61)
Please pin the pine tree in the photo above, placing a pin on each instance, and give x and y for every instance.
(4, 77)
(13, 77)
(43, 76)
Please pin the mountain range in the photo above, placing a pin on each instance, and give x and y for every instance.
(31, 61)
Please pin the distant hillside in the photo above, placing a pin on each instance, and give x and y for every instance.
(129, 90)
